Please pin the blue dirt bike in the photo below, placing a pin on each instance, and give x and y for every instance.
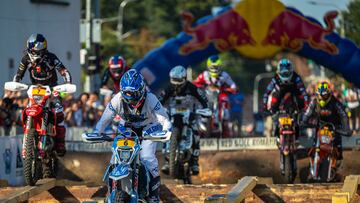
(126, 177)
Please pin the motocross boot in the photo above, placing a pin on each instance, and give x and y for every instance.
(195, 166)
(165, 168)
(154, 189)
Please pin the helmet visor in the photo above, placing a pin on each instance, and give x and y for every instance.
(214, 69)
(37, 53)
(177, 81)
(285, 74)
(117, 72)
(132, 97)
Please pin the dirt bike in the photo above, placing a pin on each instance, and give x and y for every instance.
(126, 177)
(218, 104)
(287, 145)
(323, 156)
(39, 123)
(286, 114)
(180, 149)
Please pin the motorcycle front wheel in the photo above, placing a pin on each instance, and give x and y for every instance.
(173, 157)
(31, 168)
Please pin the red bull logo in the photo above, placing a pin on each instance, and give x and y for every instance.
(291, 30)
(225, 31)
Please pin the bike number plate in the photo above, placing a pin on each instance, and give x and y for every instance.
(181, 110)
(325, 132)
(39, 91)
(125, 143)
(285, 121)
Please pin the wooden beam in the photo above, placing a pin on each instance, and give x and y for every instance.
(241, 189)
(29, 191)
(348, 190)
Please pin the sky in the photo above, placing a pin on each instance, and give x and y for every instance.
(317, 11)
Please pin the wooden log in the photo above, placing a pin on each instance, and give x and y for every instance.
(241, 189)
(29, 191)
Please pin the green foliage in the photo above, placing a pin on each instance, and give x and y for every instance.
(352, 23)
(158, 20)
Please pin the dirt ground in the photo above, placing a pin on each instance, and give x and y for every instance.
(215, 167)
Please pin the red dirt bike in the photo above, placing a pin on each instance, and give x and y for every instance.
(219, 105)
(39, 123)
(323, 156)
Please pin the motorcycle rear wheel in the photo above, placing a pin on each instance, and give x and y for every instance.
(30, 161)
(289, 168)
(173, 157)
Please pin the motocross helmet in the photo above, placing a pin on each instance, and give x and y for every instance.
(178, 77)
(36, 46)
(214, 64)
(285, 70)
(132, 88)
(323, 93)
(117, 66)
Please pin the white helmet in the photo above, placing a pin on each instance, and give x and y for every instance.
(178, 75)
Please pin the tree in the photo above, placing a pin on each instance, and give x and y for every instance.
(351, 20)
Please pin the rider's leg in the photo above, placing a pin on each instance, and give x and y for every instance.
(196, 153)
(60, 128)
(338, 145)
(148, 158)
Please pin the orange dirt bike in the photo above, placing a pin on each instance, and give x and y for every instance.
(39, 123)
(323, 156)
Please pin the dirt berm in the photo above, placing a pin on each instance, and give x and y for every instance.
(215, 167)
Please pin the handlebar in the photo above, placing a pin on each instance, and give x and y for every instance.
(104, 137)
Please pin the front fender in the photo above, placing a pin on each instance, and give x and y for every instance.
(120, 171)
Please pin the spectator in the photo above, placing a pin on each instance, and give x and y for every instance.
(236, 105)
(351, 98)
(73, 114)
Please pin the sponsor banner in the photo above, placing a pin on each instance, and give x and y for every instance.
(11, 162)
(238, 143)
(80, 146)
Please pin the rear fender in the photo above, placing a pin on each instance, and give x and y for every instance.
(119, 172)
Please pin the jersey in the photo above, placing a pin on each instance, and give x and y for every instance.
(223, 80)
(151, 112)
(43, 71)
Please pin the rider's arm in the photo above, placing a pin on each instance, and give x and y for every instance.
(60, 68)
(109, 113)
(229, 82)
(309, 111)
(165, 95)
(199, 94)
(21, 70)
(160, 113)
(105, 77)
(301, 88)
(344, 119)
(267, 93)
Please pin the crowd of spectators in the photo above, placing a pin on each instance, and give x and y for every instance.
(81, 111)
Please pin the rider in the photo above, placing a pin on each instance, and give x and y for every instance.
(213, 76)
(138, 109)
(116, 68)
(327, 108)
(179, 86)
(42, 66)
(285, 81)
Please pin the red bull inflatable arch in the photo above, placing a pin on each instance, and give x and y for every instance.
(257, 29)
